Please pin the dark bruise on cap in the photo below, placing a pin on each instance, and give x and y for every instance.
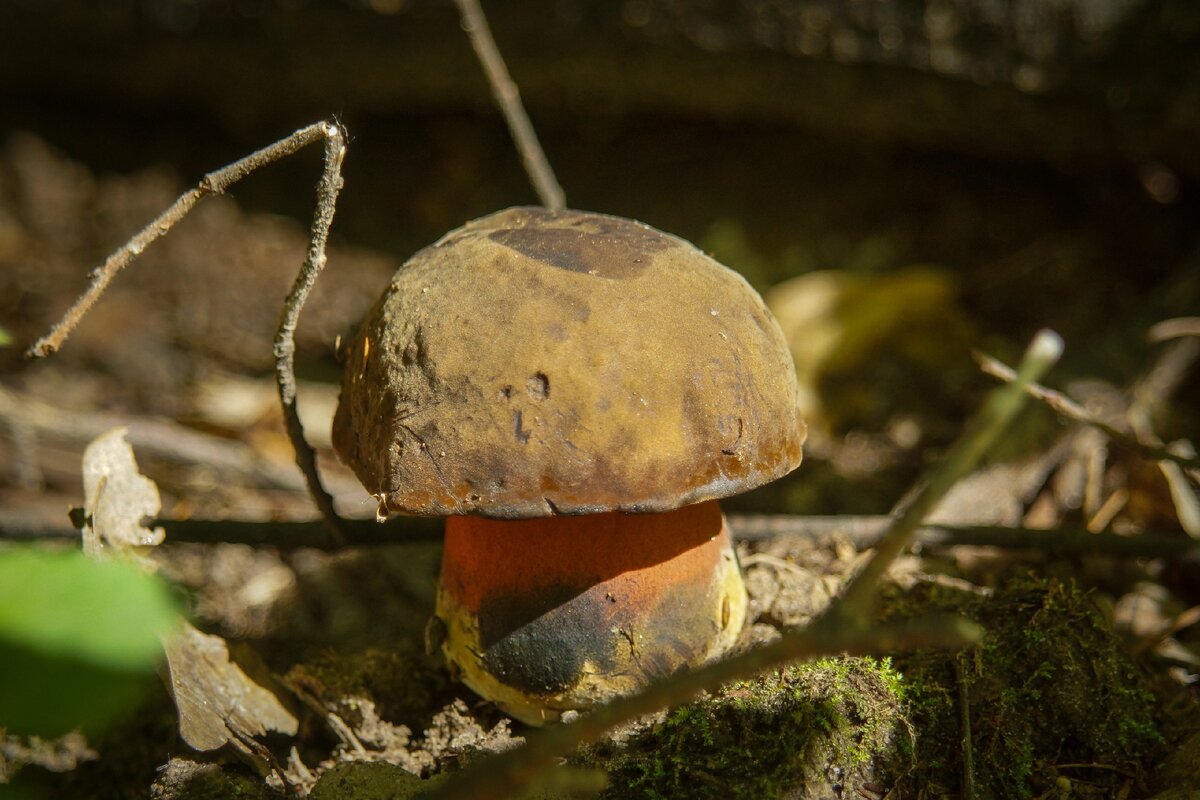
(593, 244)
(534, 363)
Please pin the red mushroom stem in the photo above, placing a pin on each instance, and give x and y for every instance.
(557, 613)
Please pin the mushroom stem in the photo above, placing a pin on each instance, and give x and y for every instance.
(558, 613)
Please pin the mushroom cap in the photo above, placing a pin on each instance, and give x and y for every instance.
(535, 362)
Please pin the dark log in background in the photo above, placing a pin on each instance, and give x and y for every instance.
(1045, 152)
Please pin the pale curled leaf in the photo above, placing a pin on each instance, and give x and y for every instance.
(1183, 494)
(217, 701)
(118, 498)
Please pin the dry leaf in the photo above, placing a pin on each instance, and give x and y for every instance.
(997, 494)
(1183, 494)
(118, 498)
(217, 701)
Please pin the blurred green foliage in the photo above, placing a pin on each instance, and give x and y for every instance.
(78, 638)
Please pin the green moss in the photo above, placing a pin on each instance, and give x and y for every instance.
(1050, 685)
(821, 723)
(367, 781)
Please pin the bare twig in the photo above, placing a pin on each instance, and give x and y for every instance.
(508, 98)
(864, 532)
(853, 605)
(285, 338)
(219, 182)
(1066, 407)
(502, 775)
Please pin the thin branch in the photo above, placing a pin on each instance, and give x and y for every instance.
(1066, 407)
(504, 774)
(508, 98)
(217, 182)
(285, 338)
(863, 532)
(853, 605)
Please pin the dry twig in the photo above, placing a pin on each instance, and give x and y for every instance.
(864, 532)
(502, 775)
(1066, 407)
(152, 436)
(219, 182)
(508, 98)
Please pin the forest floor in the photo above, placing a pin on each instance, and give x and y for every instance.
(1085, 685)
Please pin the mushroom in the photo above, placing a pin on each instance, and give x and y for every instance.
(573, 391)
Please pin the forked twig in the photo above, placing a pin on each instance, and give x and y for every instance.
(508, 98)
(219, 182)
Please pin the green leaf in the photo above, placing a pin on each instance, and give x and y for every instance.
(5, 338)
(78, 638)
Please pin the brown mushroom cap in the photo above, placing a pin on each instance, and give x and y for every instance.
(534, 363)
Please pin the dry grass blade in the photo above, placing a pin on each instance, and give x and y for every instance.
(980, 434)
